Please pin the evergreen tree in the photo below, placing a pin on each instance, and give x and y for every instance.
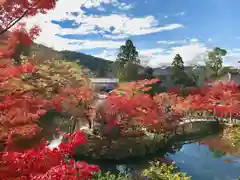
(148, 73)
(178, 73)
(127, 62)
(214, 63)
(178, 62)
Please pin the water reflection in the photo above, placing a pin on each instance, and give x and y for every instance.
(55, 142)
(199, 160)
(201, 163)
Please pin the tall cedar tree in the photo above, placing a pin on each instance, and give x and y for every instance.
(127, 62)
(178, 74)
(214, 63)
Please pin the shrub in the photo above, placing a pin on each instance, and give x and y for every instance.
(158, 171)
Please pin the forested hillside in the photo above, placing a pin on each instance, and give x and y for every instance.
(100, 67)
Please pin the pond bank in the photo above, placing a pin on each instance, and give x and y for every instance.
(122, 148)
(129, 147)
(198, 159)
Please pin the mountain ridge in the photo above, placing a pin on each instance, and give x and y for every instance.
(94, 64)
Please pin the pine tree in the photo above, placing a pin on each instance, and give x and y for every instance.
(127, 62)
(178, 73)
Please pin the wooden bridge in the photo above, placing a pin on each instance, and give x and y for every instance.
(186, 121)
(207, 120)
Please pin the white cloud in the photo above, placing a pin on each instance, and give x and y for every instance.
(185, 41)
(90, 44)
(121, 24)
(172, 42)
(117, 26)
(233, 58)
(108, 54)
(194, 40)
(150, 52)
(188, 53)
(100, 8)
(192, 53)
(115, 3)
(119, 36)
(180, 14)
(124, 6)
(97, 3)
(210, 40)
(158, 56)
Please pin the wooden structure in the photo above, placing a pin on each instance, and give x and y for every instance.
(99, 83)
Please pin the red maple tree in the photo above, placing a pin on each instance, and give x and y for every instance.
(21, 108)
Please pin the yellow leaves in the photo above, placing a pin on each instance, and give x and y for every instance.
(232, 135)
(17, 83)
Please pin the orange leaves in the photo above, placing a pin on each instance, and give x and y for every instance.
(138, 86)
(28, 68)
(78, 94)
(19, 109)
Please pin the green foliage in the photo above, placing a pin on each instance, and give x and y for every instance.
(94, 64)
(127, 62)
(21, 49)
(178, 63)
(179, 76)
(51, 76)
(214, 62)
(178, 73)
(148, 73)
(156, 88)
(158, 171)
(109, 176)
(233, 135)
(217, 153)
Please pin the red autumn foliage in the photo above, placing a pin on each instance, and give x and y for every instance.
(132, 107)
(44, 163)
(12, 11)
(22, 108)
(220, 100)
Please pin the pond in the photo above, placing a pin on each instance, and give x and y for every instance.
(199, 159)
(201, 162)
(206, 157)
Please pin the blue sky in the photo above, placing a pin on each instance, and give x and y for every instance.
(159, 28)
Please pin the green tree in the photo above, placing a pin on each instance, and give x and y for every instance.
(178, 73)
(214, 63)
(127, 62)
(148, 73)
(102, 71)
(21, 49)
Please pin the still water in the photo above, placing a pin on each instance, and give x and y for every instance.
(203, 164)
(201, 160)
(204, 158)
